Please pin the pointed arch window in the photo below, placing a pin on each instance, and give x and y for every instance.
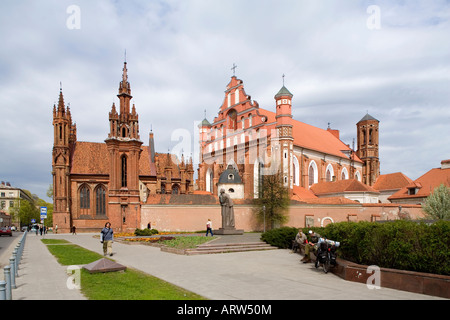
(100, 202)
(296, 171)
(124, 171)
(344, 174)
(329, 174)
(85, 197)
(312, 173)
(209, 180)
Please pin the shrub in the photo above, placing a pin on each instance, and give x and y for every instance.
(280, 237)
(145, 232)
(400, 244)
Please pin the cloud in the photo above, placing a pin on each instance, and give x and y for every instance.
(179, 58)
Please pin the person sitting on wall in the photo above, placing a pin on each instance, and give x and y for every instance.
(300, 239)
(311, 246)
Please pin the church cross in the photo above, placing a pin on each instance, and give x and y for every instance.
(234, 69)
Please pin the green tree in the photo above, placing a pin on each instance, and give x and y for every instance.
(437, 205)
(50, 191)
(28, 211)
(273, 201)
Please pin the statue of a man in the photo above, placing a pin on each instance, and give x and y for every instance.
(227, 210)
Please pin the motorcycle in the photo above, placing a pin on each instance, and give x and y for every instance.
(326, 254)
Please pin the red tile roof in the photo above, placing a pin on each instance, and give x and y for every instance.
(92, 158)
(391, 181)
(341, 186)
(302, 194)
(425, 184)
(313, 138)
(332, 200)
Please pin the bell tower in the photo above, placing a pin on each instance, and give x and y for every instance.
(368, 148)
(284, 142)
(64, 134)
(124, 147)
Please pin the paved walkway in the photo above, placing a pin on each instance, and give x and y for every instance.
(257, 275)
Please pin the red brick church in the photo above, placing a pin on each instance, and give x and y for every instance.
(98, 182)
(244, 142)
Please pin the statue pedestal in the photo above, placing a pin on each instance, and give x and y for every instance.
(228, 231)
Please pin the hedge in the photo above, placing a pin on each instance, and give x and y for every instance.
(400, 244)
(280, 237)
(145, 232)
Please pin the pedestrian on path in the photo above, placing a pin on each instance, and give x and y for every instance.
(209, 228)
(106, 237)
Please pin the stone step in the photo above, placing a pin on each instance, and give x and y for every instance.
(229, 247)
(234, 245)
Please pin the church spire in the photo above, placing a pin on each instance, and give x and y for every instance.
(124, 87)
(124, 123)
(61, 107)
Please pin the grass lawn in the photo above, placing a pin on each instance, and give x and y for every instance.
(124, 285)
(187, 242)
(54, 241)
(71, 254)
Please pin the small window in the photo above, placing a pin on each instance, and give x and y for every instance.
(231, 190)
(231, 176)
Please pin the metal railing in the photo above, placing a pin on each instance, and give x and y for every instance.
(12, 271)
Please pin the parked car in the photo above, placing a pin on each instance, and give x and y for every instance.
(5, 231)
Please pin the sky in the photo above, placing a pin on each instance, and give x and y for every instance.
(341, 59)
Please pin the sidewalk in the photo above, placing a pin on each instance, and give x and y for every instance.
(41, 277)
(258, 275)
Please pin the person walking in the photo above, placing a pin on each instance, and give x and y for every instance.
(106, 237)
(209, 228)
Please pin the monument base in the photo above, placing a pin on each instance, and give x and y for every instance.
(233, 231)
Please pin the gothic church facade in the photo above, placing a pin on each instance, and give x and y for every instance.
(98, 182)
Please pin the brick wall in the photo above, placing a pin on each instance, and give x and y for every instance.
(194, 217)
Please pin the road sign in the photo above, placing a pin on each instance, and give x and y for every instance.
(33, 220)
(43, 212)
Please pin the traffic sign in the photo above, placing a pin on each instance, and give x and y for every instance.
(43, 212)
